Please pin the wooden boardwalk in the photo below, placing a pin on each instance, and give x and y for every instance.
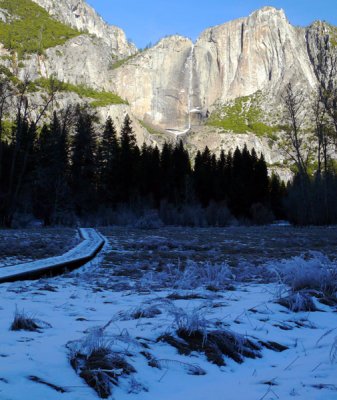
(85, 251)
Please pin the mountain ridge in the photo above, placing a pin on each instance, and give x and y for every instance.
(176, 85)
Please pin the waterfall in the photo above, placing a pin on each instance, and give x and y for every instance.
(190, 86)
(188, 72)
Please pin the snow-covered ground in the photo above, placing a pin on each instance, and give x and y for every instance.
(133, 293)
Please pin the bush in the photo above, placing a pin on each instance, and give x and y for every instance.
(195, 215)
(218, 215)
(261, 215)
(150, 220)
(193, 275)
(243, 115)
(314, 273)
(187, 215)
(99, 98)
(24, 220)
(208, 274)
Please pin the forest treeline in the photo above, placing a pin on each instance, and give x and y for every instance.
(67, 171)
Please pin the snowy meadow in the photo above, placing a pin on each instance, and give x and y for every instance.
(238, 313)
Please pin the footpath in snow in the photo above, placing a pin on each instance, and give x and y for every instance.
(90, 245)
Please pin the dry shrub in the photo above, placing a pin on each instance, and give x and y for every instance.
(261, 215)
(22, 322)
(150, 220)
(313, 272)
(100, 369)
(95, 360)
(297, 302)
(274, 346)
(147, 312)
(214, 344)
(190, 276)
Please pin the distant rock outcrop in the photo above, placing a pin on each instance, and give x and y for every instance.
(79, 15)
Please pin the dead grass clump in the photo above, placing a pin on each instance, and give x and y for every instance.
(274, 346)
(214, 344)
(148, 312)
(48, 288)
(179, 344)
(187, 296)
(297, 302)
(101, 369)
(214, 288)
(98, 360)
(22, 322)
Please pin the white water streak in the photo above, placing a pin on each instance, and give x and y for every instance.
(190, 85)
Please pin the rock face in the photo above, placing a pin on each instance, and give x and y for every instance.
(86, 59)
(76, 62)
(321, 51)
(262, 52)
(79, 15)
(156, 83)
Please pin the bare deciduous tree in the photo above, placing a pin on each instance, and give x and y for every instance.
(6, 94)
(322, 132)
(28, 116)
(296, 145)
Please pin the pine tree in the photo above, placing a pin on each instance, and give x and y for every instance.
(51, 190)
(16, 192)
(277, 193)
(108, 158)
(166, 172)
(181, 170)
(260, 190)
(203, 177)
(237, 187)
(128, 163)
(149, 175)
(84, 167)
(220, 183)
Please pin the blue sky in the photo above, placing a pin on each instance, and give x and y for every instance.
(147, 21)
